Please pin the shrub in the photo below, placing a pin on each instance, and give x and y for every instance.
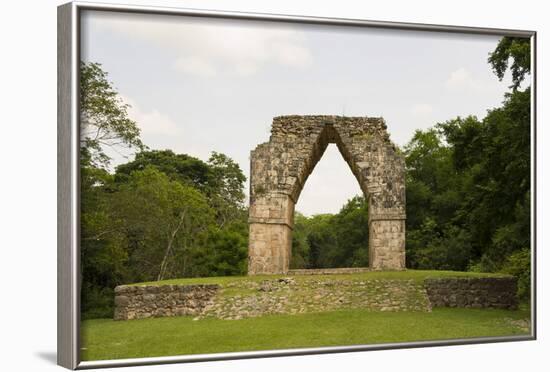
(519, 265)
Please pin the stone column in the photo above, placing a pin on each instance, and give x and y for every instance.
(387, 241)
(270, 239)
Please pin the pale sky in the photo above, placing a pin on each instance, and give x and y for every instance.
(198, 85)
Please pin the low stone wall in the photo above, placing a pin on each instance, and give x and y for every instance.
(497, 292)
(342, 270)
(307, 294)
(137, 302)
(247, 299)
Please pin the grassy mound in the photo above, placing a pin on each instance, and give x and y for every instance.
(417, 275)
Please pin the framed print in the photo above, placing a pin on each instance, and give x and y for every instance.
(238, 185)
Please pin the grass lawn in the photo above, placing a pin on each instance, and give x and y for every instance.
(108, 339)
(418, 275)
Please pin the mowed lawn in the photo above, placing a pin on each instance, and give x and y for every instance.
(108, 339)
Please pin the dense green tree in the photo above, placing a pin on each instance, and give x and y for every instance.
(351, 229)
(432, 181)
(164, 223)
(432, 247)
(220, 179)
(161, 215)
(315, 242)
(104, 124)
(519, 265)
(103, 259)
(226, 253)
(226, 189)
(498, 171)
(326, 240)
(300, 246)
(468, 181)
(178, 167)
(517, 51)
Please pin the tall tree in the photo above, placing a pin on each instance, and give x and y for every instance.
(103, 117)
(220, 179)
(165, 223)
(515, 50)
(104, 124)
(183, 168)
(227, 188)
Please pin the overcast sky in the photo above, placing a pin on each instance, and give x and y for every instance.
(198, 85)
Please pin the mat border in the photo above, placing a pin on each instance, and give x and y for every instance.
(68, 176)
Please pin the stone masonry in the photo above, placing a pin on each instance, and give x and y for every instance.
(138, 302)
(335, 270)
(279, 169)
(499, 292)
(311, 294)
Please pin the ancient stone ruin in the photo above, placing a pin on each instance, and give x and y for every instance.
(239, 299)
(280, 168)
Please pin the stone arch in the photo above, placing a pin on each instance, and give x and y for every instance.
(279, 169)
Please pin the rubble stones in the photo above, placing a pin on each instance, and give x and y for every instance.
(320, 295)
(136, 302)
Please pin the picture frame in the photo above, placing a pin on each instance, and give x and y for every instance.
(68, 178)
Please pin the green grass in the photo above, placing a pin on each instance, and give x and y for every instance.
(108, 339)
(418, 275)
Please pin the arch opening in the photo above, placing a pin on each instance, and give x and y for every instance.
(330, 219)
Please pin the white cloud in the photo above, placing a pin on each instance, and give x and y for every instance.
(152, 121)
(208, 47)
(195, 66)
(422, 109)
(463, 78)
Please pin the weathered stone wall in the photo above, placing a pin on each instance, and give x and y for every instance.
(307, 294)
(337, 270)
(137, 302)
(290, 296)
(498, 292)
(247, 298)
(279, 169)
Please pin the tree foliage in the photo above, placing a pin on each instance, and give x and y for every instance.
(514, 50)
(468, 183)
(226, 189)
(155, 219)
(326, 240)
(162, 221)
(468, 192)
(161, 215)
(182, 168)
(104, 117)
